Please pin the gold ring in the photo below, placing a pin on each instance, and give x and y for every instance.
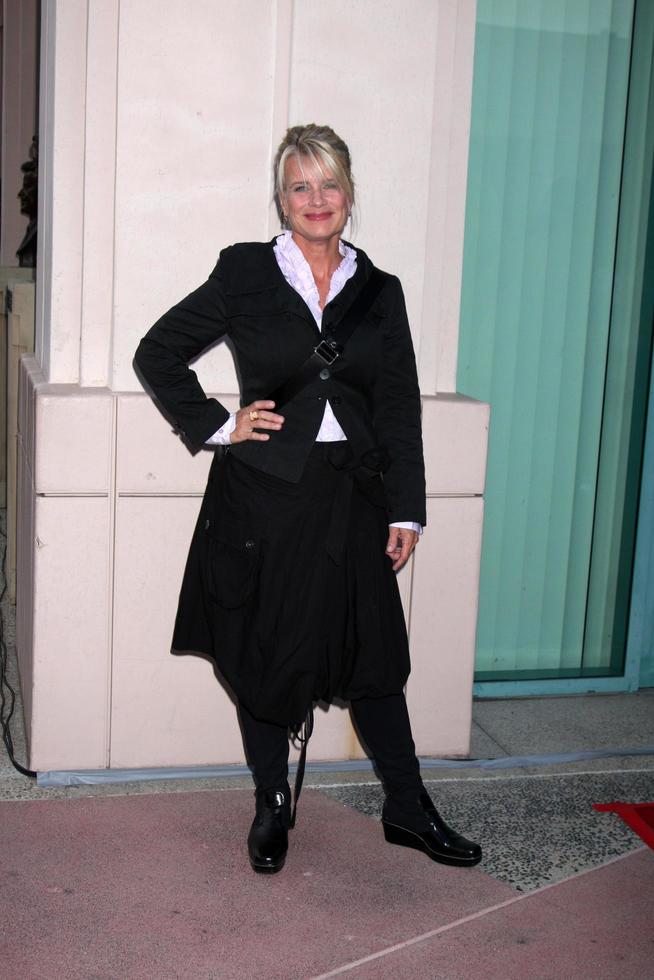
(254, 416)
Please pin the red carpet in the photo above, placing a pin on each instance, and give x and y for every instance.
(638, 816)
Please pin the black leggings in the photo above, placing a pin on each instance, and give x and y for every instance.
(383, 726)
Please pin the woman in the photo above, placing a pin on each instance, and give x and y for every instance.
(318, 499)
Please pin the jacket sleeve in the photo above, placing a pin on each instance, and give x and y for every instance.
(163, 356)
(397, 415)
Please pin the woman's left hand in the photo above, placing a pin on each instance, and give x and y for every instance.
(401, 542)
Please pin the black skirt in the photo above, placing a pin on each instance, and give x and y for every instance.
(288, 588)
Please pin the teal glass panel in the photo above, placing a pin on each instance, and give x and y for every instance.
(546, 149)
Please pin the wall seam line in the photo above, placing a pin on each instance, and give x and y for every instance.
(111, 582)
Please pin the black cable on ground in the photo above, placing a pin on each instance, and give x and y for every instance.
(7, 704)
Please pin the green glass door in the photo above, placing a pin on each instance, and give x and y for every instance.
(547, 338)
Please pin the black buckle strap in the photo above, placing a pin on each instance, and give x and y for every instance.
(328, 350)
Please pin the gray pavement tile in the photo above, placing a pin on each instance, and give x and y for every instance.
(526, 726)
(482, 745)
(602, 764)
(18, 787)
(533, 829)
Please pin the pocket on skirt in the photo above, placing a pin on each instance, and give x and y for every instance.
(233, 559)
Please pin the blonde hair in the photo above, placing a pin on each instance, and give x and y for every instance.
(324, 148)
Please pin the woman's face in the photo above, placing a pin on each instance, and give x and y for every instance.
(316, 207)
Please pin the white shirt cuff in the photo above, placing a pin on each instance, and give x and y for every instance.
(221, 437)
(409, 525)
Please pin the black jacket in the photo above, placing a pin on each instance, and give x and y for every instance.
(372, 387)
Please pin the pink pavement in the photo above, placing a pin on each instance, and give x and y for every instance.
(597, 925)
(159, 886)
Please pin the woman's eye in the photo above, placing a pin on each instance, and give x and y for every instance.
(330, 185)
(300, 187)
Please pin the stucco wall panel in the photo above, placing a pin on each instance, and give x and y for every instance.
(74, 440)
(444, 597)
(61, 188)
(70, 683)
(369, 72)
(192, 170)
(99, 191)
(150, 458)
(455, 433)
(450, 132)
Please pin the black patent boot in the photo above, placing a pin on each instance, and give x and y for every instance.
(423, 829)
(268, 837)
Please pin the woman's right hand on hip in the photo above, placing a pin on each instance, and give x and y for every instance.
(251, 418)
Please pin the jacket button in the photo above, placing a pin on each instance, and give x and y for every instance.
(250, 544)
(207, 524)
(324, 374)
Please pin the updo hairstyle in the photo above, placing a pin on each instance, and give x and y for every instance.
(324, 148)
